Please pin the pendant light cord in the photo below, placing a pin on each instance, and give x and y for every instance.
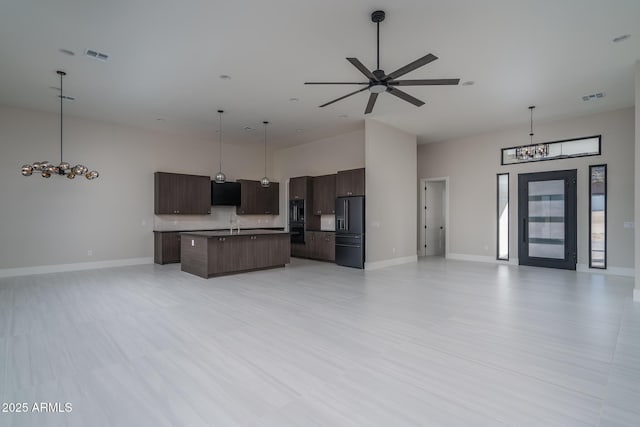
(531, 131)
(61, 99)
(220, 138)
(265, 148)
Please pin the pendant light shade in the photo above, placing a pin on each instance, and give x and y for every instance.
(46, 169)
(220, 178)
(265, 182)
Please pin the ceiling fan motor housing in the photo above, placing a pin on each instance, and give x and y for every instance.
(378, 16)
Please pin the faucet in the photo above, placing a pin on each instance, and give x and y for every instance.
(231, 222)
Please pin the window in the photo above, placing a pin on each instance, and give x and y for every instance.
(579, 147)
(503, 216)
(598, 216)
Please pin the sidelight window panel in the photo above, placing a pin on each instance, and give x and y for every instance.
(503, 216)
(598, 216)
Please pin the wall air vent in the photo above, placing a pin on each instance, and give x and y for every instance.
(100, 56)
(593, 96)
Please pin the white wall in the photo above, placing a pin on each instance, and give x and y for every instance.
(321, 157)
(56, 221)
(636, 293)
(473, 162)
(391, 190)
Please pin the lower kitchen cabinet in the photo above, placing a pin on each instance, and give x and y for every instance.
(320, 245)
(167, 247)
(208, 254)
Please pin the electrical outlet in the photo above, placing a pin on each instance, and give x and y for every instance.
(143, 223)
(629, 225)
(90, 252)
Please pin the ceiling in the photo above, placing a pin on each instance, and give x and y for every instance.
(166, 58)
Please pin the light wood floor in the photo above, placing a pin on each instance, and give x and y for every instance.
(437, 343)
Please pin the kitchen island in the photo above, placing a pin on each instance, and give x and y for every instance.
(215, 253)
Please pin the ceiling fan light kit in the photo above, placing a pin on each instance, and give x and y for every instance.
(379, 82)
(46, 169)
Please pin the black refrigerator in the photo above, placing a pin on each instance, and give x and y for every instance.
(350, 231)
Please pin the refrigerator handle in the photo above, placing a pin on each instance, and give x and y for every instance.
(346, 214)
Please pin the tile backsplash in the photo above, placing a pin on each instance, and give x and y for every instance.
(220, 218)
(328, 223)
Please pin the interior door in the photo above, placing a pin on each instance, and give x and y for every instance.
(547, 229)
(434, 218)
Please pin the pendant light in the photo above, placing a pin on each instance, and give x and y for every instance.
(532, 151)
(220, 177)
(265, 180)
(47, 169)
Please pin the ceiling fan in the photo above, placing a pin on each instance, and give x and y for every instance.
(380, 82)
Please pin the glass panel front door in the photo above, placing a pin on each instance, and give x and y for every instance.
(547, 214)
(546, 219)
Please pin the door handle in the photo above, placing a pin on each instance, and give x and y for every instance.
(524, 230)
(347, 246)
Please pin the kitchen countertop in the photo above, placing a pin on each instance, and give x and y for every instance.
(217, 229)
(227, 233)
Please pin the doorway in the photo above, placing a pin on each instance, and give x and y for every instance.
(434, 202)
(547, 219)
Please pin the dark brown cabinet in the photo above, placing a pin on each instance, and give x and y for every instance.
(258, 200)
(177, 193)
(318, 245)
(324, 195)
(167, 247)
(350, 183)
(300, 188)
(208, 256)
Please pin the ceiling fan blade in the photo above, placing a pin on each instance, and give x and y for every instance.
(364, 70)
(346, 96)
(427, 82)
(410, 67)
(405, 96)
(371, 103)
(336, 83)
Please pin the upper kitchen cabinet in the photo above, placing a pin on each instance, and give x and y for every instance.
(350, 183)
(177, 193)
(324, 195)
(258, 200)
(300, 188)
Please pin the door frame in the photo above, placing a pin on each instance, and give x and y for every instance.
(421, 222)
(571, 210)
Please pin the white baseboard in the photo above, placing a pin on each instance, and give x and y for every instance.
(390, 262)
(481, 258)
(636, 295)
(613, 271)
(58, 268)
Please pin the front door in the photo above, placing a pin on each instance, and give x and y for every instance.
(547, 229)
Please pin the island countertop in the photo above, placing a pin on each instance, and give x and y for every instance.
(227, 233)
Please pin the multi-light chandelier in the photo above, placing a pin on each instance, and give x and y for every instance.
(533, 151)
(46, 169)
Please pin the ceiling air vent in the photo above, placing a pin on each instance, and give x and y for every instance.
(100, 56)
(593, 96)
